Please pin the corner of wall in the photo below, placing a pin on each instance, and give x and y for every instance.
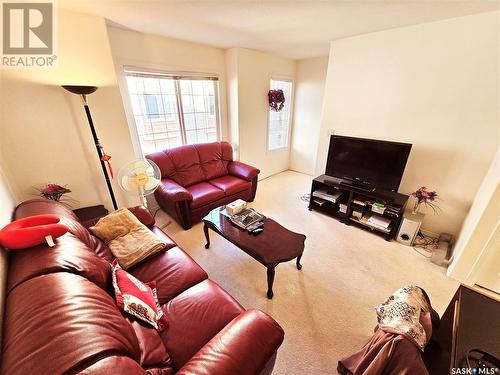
(479, 224)
(309, 90)
(231, 57)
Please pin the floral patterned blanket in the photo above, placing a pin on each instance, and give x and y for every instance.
(401, 314)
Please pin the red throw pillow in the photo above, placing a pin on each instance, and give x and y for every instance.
(31, 231)
(138, 298)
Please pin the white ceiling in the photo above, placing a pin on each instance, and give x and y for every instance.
(294, 29)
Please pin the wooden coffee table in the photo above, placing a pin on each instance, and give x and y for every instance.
(274, 245)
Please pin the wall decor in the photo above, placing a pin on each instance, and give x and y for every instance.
(276, 100)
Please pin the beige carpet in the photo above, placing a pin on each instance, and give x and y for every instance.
(327, 308)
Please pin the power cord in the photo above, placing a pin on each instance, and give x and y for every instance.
(156, 211)
(425, 245)
(485, 361)
(164, 225)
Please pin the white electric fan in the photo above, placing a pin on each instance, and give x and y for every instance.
(140, 176)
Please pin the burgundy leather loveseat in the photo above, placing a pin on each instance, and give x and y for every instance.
(197, 178)
(60, 316)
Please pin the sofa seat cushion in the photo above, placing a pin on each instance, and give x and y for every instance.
(58, 323)
(204, 193)
(174, 271)
(195, 316)
(231, 185)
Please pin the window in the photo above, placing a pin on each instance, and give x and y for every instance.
(279, 122)
(171, 110)
(152, 107)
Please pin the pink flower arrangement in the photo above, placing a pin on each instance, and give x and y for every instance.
(426, 197)
(276, 100)
(53, 191)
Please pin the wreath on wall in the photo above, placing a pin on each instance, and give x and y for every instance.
(276, 100)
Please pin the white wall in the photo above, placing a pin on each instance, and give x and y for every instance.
(488, 271)
(232, 100)
(254, 71)
(434, 85)
(45, 137)
(7, 204)
(131, 48)
(309, 89)
(477, 246)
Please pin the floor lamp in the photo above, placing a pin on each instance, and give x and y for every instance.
(83, 91)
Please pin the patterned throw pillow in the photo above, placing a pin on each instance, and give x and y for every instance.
(137, 298)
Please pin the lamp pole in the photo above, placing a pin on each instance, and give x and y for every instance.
(83, 91)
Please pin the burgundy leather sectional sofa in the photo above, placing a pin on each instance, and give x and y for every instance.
(60, 316)
(198, 178)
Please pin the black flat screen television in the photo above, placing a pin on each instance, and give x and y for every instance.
(375, 163)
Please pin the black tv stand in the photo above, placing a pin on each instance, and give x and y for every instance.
(353, 203)
(357, 182)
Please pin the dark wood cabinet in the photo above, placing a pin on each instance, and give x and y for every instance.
(471, 322)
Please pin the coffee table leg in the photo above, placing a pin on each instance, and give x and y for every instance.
(270, 281)
(299, 266)
(205, 230)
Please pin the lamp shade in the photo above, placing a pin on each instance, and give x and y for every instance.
(80, 90)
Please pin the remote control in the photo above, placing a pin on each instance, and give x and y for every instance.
(257, 231)
(252, 227)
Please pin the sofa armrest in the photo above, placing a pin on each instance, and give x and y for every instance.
(242, 170)
(243, 347)
(171, 190)
(143, 214)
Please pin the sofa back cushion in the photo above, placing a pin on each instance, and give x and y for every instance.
(190, 164)
(69, 255)
(62, 323)
(214, 158)
(187, 165)
(45, 206)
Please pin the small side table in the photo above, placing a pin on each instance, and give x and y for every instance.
(88, 216)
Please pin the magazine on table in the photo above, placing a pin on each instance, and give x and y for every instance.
(245, 218)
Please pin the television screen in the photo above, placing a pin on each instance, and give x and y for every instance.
(379, 163)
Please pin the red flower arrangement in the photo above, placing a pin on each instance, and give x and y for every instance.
(53, 192)
(276, 100)
(426, 197)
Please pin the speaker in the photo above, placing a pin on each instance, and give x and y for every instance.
(409, 228)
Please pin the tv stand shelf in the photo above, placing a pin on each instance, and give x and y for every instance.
(357, 203)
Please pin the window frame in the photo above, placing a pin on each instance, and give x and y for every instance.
(290, 117)
(127, 70)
